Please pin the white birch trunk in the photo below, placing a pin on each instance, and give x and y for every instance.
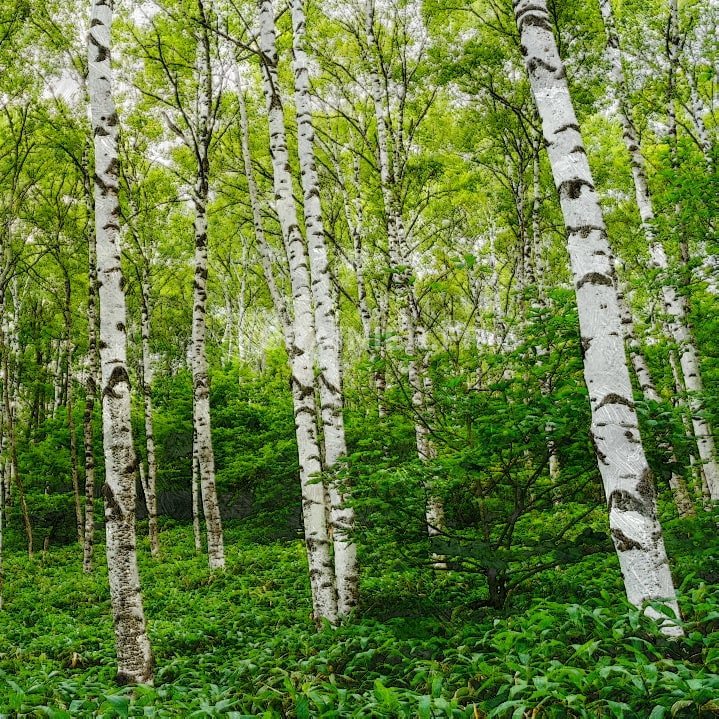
(327, 338)
(277, 298)
(134, 655)
(698, 113)
(674, 304)
(682, 500)
(91, 384)
(196, 529)
(402, 278)
(150, 486)
(317, 538)
(200, 373)
(627, 478)
(74, 474)
(10, 407)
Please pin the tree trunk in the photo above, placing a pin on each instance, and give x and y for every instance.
(326, 326)
(402, 279)
(200, 375)
(682, 500)
(74, 474)
(627, 478)
(150, 486)
(674, 304)
(196, 530)
(302, 352)
(91, 384)
(134, 655)
(9, 434)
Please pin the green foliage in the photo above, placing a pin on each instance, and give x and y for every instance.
(242, 643)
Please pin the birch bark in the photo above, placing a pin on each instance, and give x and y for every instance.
(150, 485)
(327, 339)
(196, 530)
(74, 474)
(402, 278)
(317, 538)
(134, 654)
(200, 375)
(91, 384)
(627, 478)
(674, 304)
(682, 500)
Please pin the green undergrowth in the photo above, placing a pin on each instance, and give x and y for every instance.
(242, 643)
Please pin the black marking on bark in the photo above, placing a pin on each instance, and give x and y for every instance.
(626, 502)
(530, 18)
(573, 187)
(585, 230)
(601, 457)
(613, 398)
(111, 504)
(645, 489)
(118, 375)
(622, 542)
(568, 126)
(594, 278)
(535, 62)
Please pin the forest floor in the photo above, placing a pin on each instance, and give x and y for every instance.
(242, 643)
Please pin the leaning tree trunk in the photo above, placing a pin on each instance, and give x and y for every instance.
(200, 373)
(674, 303)
(317, 538)
(134, 655)
(326, 327)
(627, 479)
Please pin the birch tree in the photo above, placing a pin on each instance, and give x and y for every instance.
(134, 655)
(327, 329)
(627, 478)
(302, 352)
(675, 304)
(191, 111)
